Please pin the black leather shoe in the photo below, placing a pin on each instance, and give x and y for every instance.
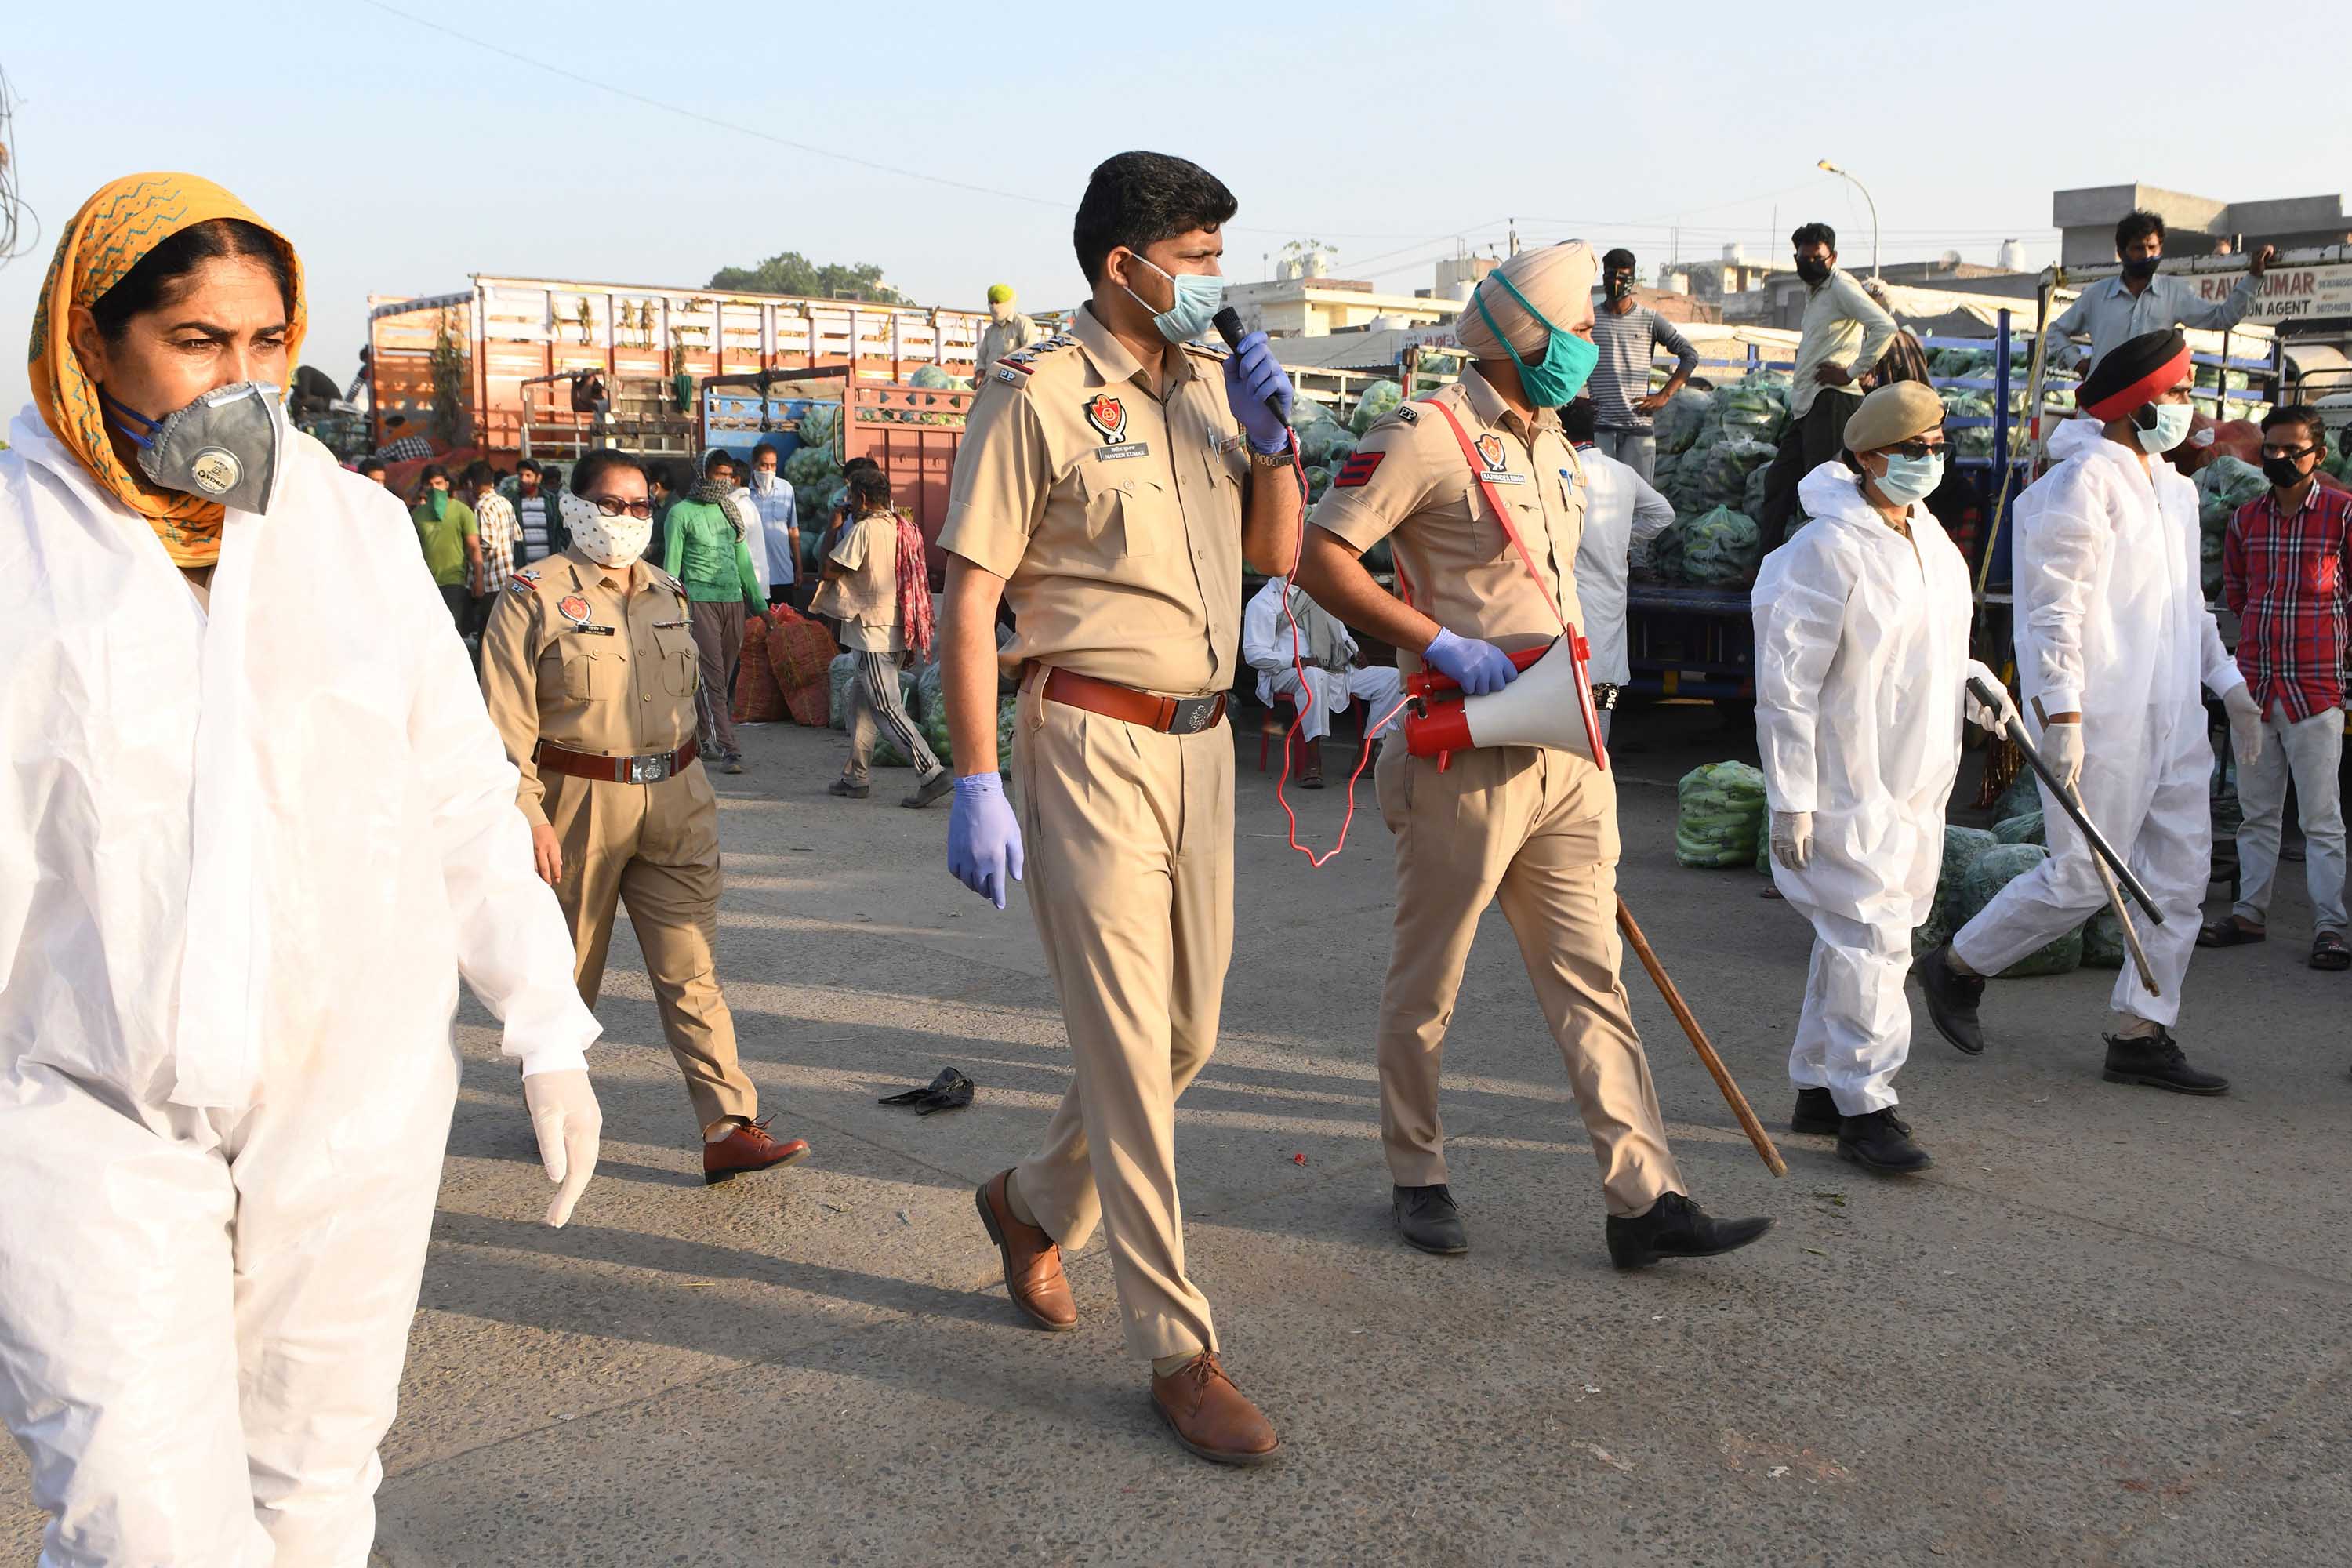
(1816, 1113)
(848, 791)
(930, 790)
(1677, 1227)
(2155, 1060)
(1430, 1219)
(1881, 1142)
(1952, 999)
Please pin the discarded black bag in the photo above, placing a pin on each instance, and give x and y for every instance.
(948, 1091)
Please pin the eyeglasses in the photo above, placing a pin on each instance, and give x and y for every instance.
(614, 506)
(2271, 451)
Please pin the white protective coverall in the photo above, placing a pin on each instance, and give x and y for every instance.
(2112, 622)
(1620, 509)
(1266, 647)
(1861, 664)
(245, 855)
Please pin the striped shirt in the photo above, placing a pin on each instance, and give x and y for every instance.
(1621, 376)
(2285, 579)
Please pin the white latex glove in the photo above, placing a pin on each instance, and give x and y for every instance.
(564, 1113)
(2061, 747)
(2245, 724)
(1996, 720)
(1793, 838)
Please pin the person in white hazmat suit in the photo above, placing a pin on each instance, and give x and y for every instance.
(1620, 510)
(254, 827)
(2114, 638)
(1862, 669)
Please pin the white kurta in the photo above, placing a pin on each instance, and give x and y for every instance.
(1620, 509)
(2112, 623)
(1267, 640)
(245, 855)
(1862, 661)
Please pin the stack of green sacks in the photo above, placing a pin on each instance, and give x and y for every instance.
(1720, 815)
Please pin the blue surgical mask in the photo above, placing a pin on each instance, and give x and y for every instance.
(1568, 359)
(2171, 426)
(1907, 479)
(1198, 295)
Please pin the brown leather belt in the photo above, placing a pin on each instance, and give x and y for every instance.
(1170, 715)
(616, 769)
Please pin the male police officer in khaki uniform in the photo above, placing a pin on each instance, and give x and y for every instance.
(1110, 484)
(588, 669)
(1536, 826)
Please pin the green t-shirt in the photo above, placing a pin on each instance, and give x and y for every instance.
(444, 541)
(702, 551)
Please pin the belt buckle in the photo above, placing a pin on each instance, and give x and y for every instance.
(648, 769)
(1193, 715)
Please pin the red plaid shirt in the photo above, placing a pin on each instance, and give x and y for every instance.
(2287, 578)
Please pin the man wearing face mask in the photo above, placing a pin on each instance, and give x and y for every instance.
(2112, 641)
(1110, 483)
(1862, 667)
(1629, 334)
(2139, 300)
(2283, 576)
(1535, 826)
(1845, 334)
(589, 671)
(1008, 330)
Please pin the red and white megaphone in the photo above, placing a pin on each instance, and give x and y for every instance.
(1550, 704)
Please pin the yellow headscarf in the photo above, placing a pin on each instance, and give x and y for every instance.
(107, 238)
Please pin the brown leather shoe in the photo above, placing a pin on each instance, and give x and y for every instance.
(1033, 1262)
(1209, 1416)
(748, 1148)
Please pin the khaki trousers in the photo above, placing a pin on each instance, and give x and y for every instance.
(657, 847)
(1130, 873)
(1538, 828)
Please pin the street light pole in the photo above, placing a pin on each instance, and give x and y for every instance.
(1825, 165)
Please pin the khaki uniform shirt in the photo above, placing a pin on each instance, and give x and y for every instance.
(1409, 478)
(1114, 516)
(589, 659)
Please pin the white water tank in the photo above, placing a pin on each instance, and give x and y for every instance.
(1677, 283)
(1315, 263)
(1735, 255)
(2012, 256)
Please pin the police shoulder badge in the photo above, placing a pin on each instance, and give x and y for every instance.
(1490, 451)
(573, 608)
(1108, 417)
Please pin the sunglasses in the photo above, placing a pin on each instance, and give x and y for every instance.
(1917, 446)
(614, 506)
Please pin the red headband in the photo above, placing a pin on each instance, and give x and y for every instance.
(2138, 393)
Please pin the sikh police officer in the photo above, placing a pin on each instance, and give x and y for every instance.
(1109, 485)
(1536, 826)
(589, 671)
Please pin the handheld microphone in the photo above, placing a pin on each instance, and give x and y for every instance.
(1229, 327)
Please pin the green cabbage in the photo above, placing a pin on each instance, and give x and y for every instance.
(1377, 399)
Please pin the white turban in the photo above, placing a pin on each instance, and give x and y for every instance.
(1556, 279)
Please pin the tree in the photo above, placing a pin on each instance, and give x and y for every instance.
(793, 273)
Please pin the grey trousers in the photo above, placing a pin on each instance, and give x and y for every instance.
(2311, 752)
(1636, 450)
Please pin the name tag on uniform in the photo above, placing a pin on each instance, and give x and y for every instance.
(1503, 477)
(1125, 449)
(1230, 444)
(590, 627)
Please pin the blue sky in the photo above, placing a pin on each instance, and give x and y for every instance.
(400, 159)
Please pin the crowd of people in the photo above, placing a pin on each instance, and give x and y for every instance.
(187, 1132)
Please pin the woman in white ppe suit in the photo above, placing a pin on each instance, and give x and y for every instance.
(254, 826)
(2114, 638)
(1861, 665)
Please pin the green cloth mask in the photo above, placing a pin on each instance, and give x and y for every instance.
(1568, 360)
(440, 503)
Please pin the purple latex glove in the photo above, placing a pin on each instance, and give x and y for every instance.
(983, 838)
(1478, 667)
(1252, 377)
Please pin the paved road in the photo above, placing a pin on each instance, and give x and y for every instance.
(2108, 1327)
